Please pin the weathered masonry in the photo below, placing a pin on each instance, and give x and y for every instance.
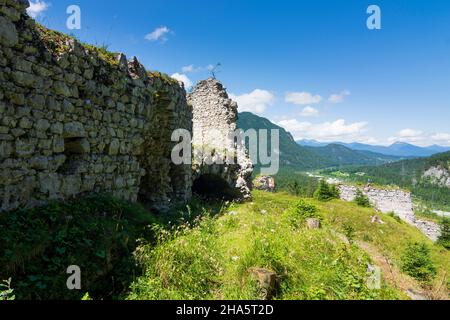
(215, 116)
(77, 119)
(396, 201)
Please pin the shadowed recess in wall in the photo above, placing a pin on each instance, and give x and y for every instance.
(213, 187)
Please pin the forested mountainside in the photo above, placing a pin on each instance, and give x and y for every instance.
(307, 158)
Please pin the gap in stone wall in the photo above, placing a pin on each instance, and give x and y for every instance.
(214, 187)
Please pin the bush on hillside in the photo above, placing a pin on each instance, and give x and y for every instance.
(349, 232)
(416, 262)
(295, 183)
(362, 200)
(326, 192)
(444, 238)
(301, 211)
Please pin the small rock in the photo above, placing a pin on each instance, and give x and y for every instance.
(114, 147)
(267, 281)
(377, 219)
(313, 223)
(264, 183)
(415, 295)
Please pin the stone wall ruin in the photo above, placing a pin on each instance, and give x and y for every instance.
(76, 119)
(394, 201)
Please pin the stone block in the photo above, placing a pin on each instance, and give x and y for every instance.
(74, 130)
(8, 32)
(267, 282)
(313, 223)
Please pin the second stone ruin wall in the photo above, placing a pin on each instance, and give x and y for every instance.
(395, 201)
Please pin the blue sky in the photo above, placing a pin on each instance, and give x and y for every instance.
(311, 66)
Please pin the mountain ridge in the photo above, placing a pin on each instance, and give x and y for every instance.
(399, 149)
(306, 158)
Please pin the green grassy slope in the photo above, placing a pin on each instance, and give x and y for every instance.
(212, 259)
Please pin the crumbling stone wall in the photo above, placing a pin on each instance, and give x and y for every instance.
(214, 140)
(386, 201)
(392, 200)
(77, 119)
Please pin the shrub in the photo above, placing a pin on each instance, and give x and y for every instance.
(349, 232)
(301, 211)
(416, 262)
(362, 200)
(396, 217)
(444, 238)
(326, 192)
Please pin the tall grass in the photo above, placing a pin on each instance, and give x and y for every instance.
(212, 259)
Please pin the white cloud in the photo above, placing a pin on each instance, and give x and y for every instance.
(339, 97)
(309, 112)
(192, 68)
(338, 130)
(410, 133)
(188, 69)
(183, 78)
(302, 98)
(255, 101)
(409, 136)
(441, 138)
(420, 138)
(158, 34)
(36, 8)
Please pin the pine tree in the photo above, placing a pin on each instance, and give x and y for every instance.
(444, 238)
(325, 192)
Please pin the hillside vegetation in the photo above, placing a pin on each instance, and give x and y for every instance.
(98, 233)
(398, 149)
(208, 251)
(212, 258)
(291, 154)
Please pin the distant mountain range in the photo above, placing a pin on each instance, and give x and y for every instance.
(398, 149)
(308, 158)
